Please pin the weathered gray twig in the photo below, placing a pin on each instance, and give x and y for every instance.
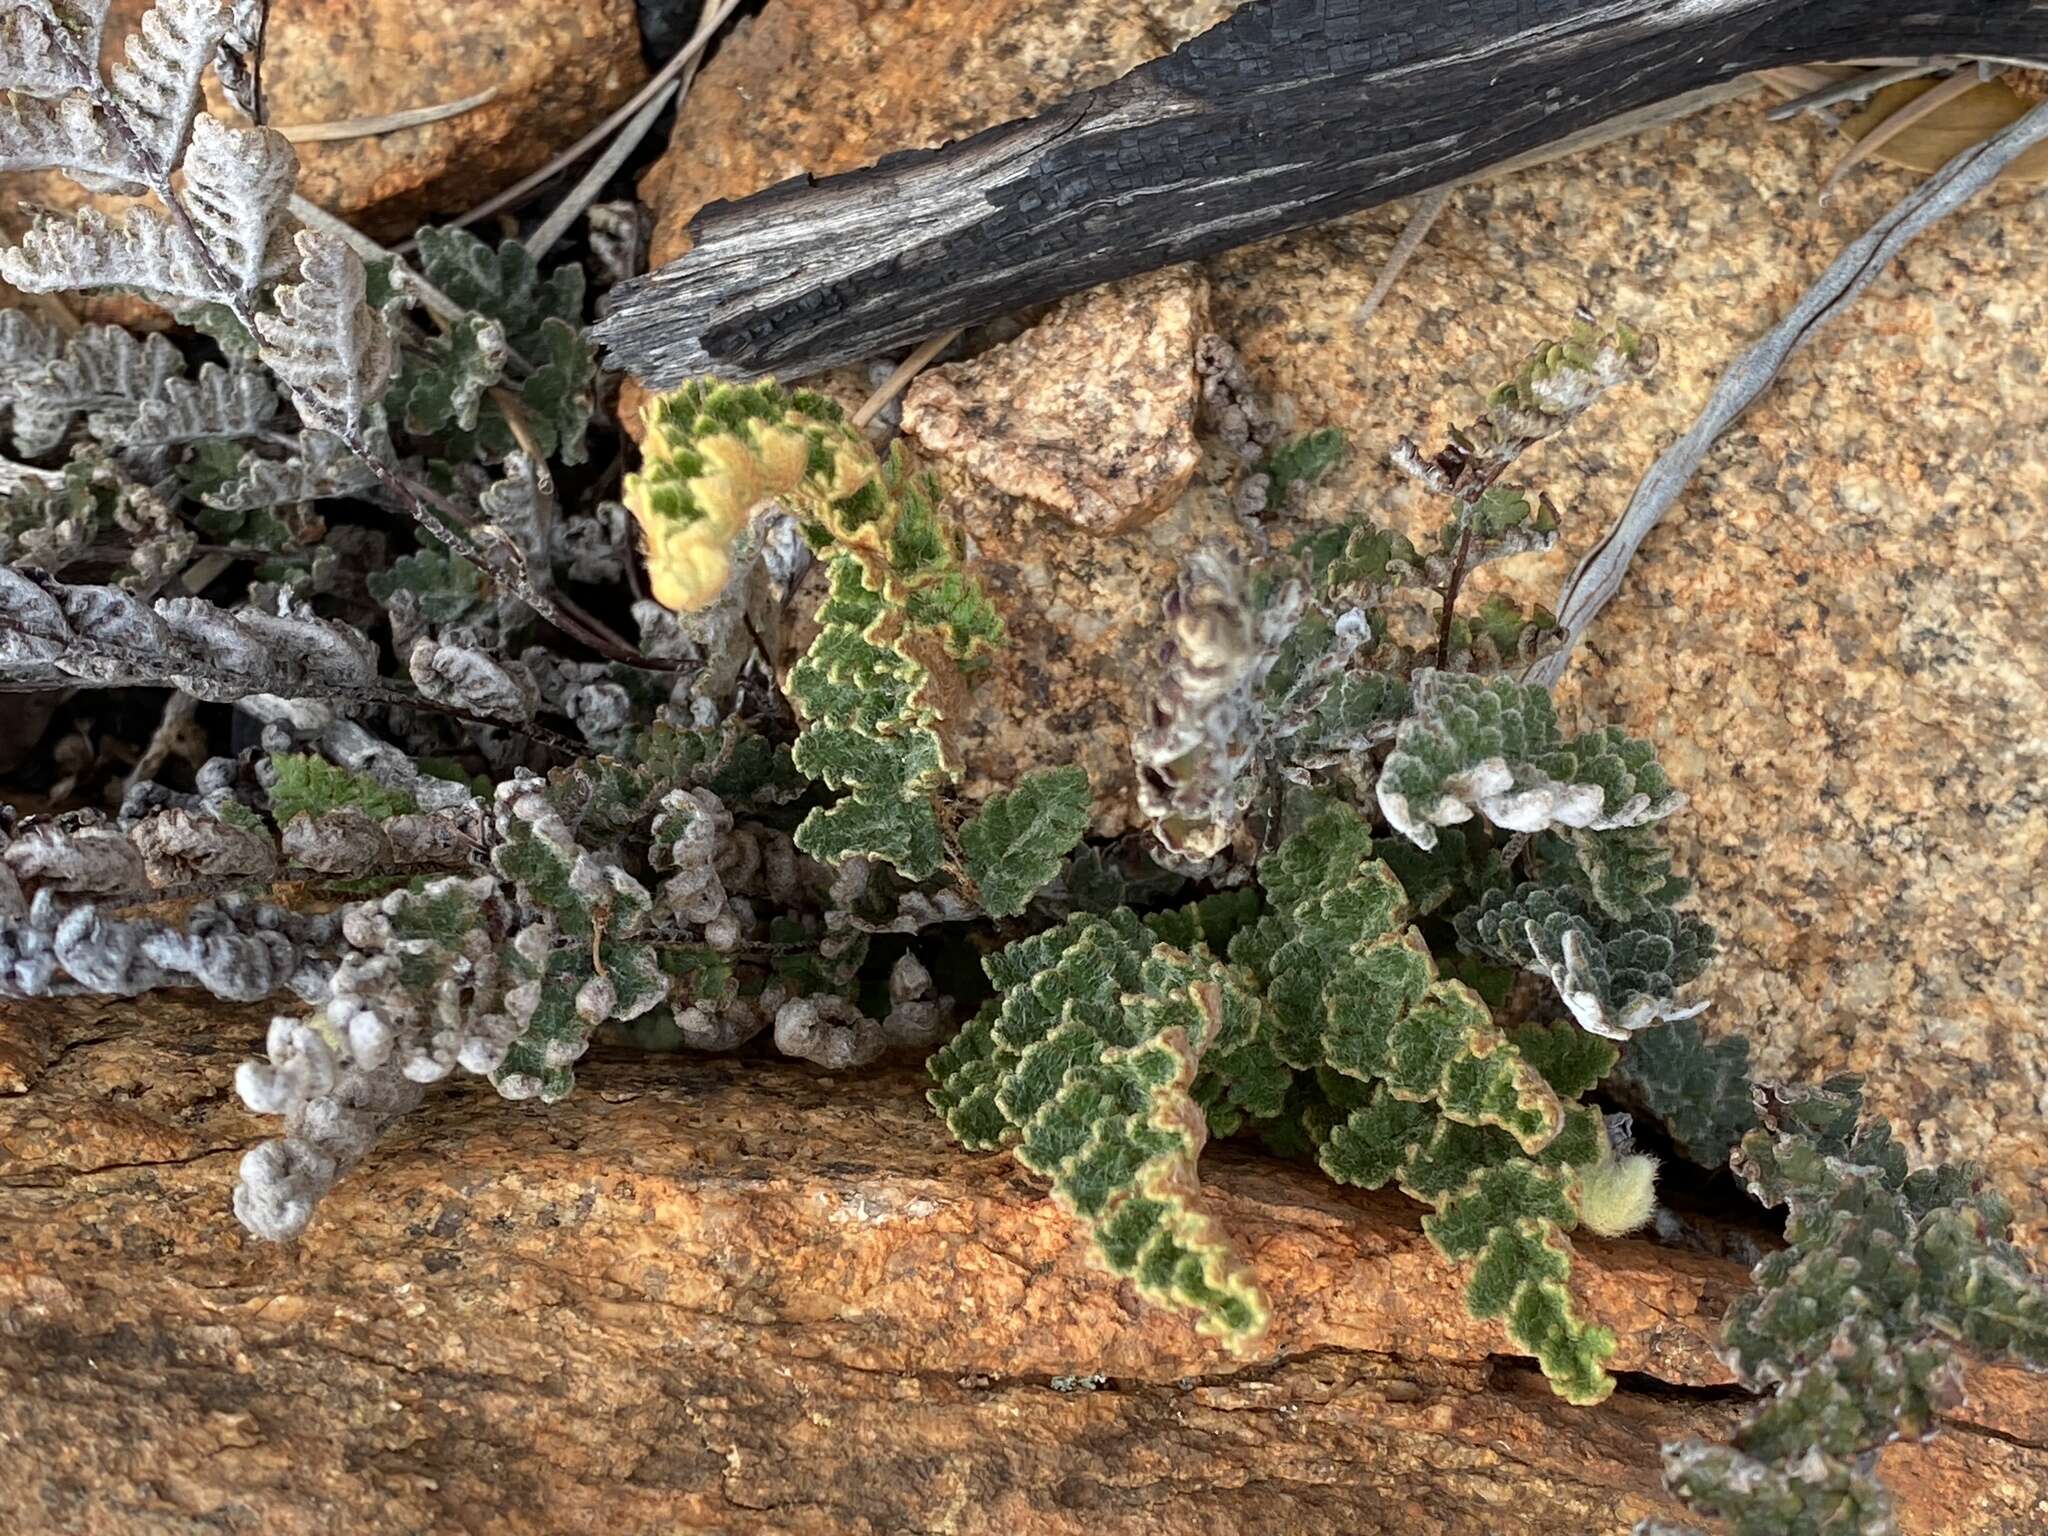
(389, 122)
(1428, 209)
(1599, 574)
(1856, 88)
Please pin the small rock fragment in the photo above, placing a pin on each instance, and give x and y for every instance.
(1090, 413)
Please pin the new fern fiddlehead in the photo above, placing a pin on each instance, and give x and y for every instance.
(901, 626)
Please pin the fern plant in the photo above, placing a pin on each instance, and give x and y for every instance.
(1119, 1043)
(1857, 1327)
(1291, 669)
(900, 628)
(1417, 826)
(216, 243)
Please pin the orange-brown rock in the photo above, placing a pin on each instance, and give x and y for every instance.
(726, 1296)
(1090, 413)
(556, 69)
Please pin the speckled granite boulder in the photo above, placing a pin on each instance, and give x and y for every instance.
(1840, 641)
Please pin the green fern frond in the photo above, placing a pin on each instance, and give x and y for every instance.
(1088, 1067)
(1493, 747)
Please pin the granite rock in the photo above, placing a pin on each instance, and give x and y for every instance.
(556, 69)
(1838, 643)
(743, 1297)
(1085, 613)
(1090, 413)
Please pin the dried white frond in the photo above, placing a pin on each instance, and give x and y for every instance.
(444, 839)
(592, 547)
(139, 248)
(181, 847)
(472, 679)
(27, 348)
(53, 634)
(71, 134)
(238, 185)
(829, 1031)
(51, 522)
(329, 346)
(238, 949)
(156, 86)
(50, 46)
(33, 632)
(20, 479)
(92, 859)
(345, 841)
(427, 984)
(864, 899)
(516, 505)
(220, 402)
(690, 831)
(1205, 726)
(725, 1025)
(39, 524)
(322, 467)
(917, 1017)
(467, 1012)
(103, 371)
(234, 62)
(603, 713)
(335, 1110)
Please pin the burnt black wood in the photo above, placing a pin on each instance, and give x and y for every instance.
(1286, 114)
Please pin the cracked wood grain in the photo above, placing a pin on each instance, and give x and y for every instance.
(1288, 113)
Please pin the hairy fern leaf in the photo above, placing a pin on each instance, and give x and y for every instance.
(446, 388)
(52, 634)
(1016, 844)
(27, 349)
(325, 342)
(1088, 1066)
(1698, 1089)
(1492, 747)
(1420, 1087)
(238, 183)
(71, 134)
(51, 46)
(138, 248)
(218, 403)
(1616, 976)
(323, 466)
(1856, 1328)
(156, 86)
(715, 455)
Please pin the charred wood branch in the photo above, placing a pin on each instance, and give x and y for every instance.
(1290, 113)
